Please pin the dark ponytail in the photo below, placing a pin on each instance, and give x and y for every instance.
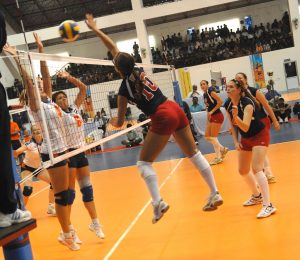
(247, 93)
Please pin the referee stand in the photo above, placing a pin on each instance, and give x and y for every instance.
(15, 239)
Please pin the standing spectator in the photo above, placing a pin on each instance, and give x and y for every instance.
(214, 86)
(15, 135)
(194, 92)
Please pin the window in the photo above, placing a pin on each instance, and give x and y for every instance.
(126, 46)
(231, 24)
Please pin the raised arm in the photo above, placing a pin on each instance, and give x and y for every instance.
(76, 82)
(108, 42)
(44, 68)
(33, 105)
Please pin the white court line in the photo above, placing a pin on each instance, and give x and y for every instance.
(122, 237)
(40, 191)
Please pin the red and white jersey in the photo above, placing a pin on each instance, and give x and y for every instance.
(32, 155)
(55, 127)
(74, 127)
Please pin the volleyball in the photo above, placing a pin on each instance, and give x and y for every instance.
(69, 31)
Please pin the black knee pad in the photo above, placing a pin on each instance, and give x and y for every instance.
(87, 194)
(71, 197)
(61, 198)
(27, 191)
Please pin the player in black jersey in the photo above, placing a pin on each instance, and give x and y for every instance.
(167, 118)
(215, 120)
(243, 112)
(260, 97)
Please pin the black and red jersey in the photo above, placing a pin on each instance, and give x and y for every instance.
(151, 96)
(253, 92)
(209, 101)
(255, 126)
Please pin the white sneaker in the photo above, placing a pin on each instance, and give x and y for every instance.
(18, 216)
(51, 210)
(214, 200)
(253, 200)
(97, 229)
(74, 236)
(280, 120)
(266, 211)
(69, 242)
(159, 210)
(286, 120)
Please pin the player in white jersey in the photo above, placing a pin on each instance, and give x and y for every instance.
(31, 164)
(78, 164)
(59, 172)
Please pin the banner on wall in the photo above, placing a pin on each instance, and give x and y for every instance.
(185, 82)
(88, 103)
(258, 70)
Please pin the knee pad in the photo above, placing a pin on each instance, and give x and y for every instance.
(199, 161)
(87, 193)
(27, 191)
(61, 198)
(145, 169)
(71, 196)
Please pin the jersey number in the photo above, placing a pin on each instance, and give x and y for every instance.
(148, 85)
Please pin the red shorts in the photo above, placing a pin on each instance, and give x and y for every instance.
(217, 118)
(260, 139)
(168, 118)
(267, 122)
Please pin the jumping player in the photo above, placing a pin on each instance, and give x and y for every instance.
(167, 118)
(242, 110)
(215, 120)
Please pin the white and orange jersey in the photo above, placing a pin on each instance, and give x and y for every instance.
(32, 155)
(74, 127)
(55, 126)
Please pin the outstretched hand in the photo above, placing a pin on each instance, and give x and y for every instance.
(10, 49)
(63, 74)
(90, 21)
(38, 41)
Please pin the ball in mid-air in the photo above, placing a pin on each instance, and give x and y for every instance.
(69, 31)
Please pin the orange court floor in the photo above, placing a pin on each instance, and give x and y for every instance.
(185, 232)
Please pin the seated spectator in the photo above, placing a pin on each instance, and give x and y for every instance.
(195, 107)
(271, 93)
(132, 138)
(194, 92)
(296, 109)
(145, 127)
(101, 121)
(282, 111)
(128, 114)
(214, 85)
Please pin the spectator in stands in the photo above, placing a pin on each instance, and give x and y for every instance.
(282, 111)
(196, 107)
(271, 94)
(15, 135)
(132, 138)
(145, 127)
(194, 92)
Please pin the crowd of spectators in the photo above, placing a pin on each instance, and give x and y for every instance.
(221, 43)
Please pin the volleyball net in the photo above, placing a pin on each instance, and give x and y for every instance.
(90, 88)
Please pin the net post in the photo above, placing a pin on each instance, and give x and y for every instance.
(176, 88)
